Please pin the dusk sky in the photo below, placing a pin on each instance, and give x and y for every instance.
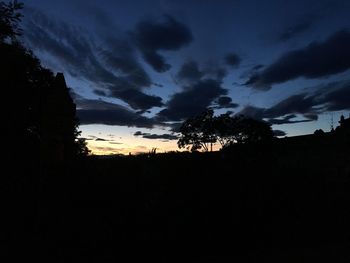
(137, 69)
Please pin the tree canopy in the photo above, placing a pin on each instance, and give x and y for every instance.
(198, 132)
(202, 131)
(10, 17)
(25, 85)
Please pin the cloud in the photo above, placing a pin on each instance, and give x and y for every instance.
(166, 35)
(101, 112)
(100, 93)
(277, 118)
(101, 140)
(137, 99)
(226, 102)
(318, 59)
(295, 30)
(156, 136)
(331, 97)
(192, 101)
(232, 60)
(214, 71)
(301, 103)
(251, 72)
(338, 99)
(279, 133)
(121, 58)
(114, 69)
(288, 119)
(286, 110)
(253, 112)
(68, 45)
(189, 72)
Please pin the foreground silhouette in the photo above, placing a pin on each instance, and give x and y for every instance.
(285, 201)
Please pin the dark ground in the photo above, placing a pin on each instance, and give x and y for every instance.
(281, 203)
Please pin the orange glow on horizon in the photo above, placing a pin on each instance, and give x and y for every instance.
(106, 148)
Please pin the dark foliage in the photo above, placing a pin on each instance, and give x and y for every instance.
(198, 132)
(9, 18)
(28, 87)
(203, 131)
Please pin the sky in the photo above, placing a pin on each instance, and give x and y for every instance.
(137, 69)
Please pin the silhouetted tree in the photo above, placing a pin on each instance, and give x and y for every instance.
(319, 132)
(202, 131)
(225, 129)
(198, 132)
(25, 85)
(343, 130)
(248, 130)
(9, 19)
(81, 148)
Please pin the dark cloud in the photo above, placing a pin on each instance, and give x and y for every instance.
(251, 72)
(189, 72)
(288, 119)
(319, 59)
(101, 112)
(331, 97)
(68, 45)
(100, 93)
(295, 30)
(138, 133)
(279, 133)
(192, 101)
(114, 68)
(262, 113)
(175, 126)
(257, 67)
(226, 102)
(121, 59)
(153, 36)
(156, 136)
(301, 103)
(137, 99)
(285, 111)
(213, 70)
(338, 99)
(253, 112)
(311, 116)
(101, 140)
(232, 60)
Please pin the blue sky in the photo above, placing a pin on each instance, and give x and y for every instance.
(143, 66)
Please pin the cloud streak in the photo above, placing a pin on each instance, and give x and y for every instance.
(156, 136)
(331, 97)
(112, 67)
(318, 59)
(101, 112)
